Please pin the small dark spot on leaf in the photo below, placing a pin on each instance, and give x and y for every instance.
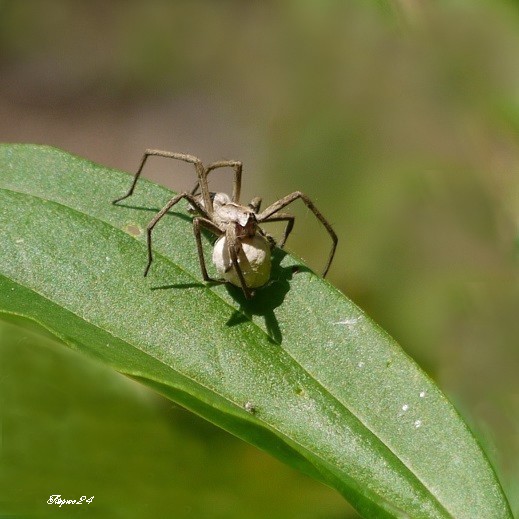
(250, 407)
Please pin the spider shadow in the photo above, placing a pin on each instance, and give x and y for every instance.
(265, 299)
(176, 214)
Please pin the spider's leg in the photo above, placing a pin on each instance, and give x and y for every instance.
(255, 204)
(161, 213)
(283, 217)
(236, 165)
(283, 202)
(198, 223)
(171, 155)
(234, 247)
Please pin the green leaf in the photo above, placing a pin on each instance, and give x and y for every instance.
(300, 371)
(73, 426)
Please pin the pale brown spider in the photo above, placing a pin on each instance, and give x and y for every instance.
(242, 251)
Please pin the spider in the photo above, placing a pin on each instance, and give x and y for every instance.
(242, 250)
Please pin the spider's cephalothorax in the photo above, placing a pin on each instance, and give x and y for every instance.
(242, 251)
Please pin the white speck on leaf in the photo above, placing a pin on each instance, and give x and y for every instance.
(349, 322)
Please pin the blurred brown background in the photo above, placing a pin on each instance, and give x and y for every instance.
(400, 119)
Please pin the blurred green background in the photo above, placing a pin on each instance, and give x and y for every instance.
(400, 119)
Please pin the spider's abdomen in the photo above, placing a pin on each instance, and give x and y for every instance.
(253, 258)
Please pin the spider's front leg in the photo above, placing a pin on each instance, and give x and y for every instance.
(236, 165)
(200, 170)
(198, 224)
(283, 217)
(270, 212)
(278, 217)
(149, 229)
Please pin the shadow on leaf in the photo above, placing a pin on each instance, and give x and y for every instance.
(266, 298)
